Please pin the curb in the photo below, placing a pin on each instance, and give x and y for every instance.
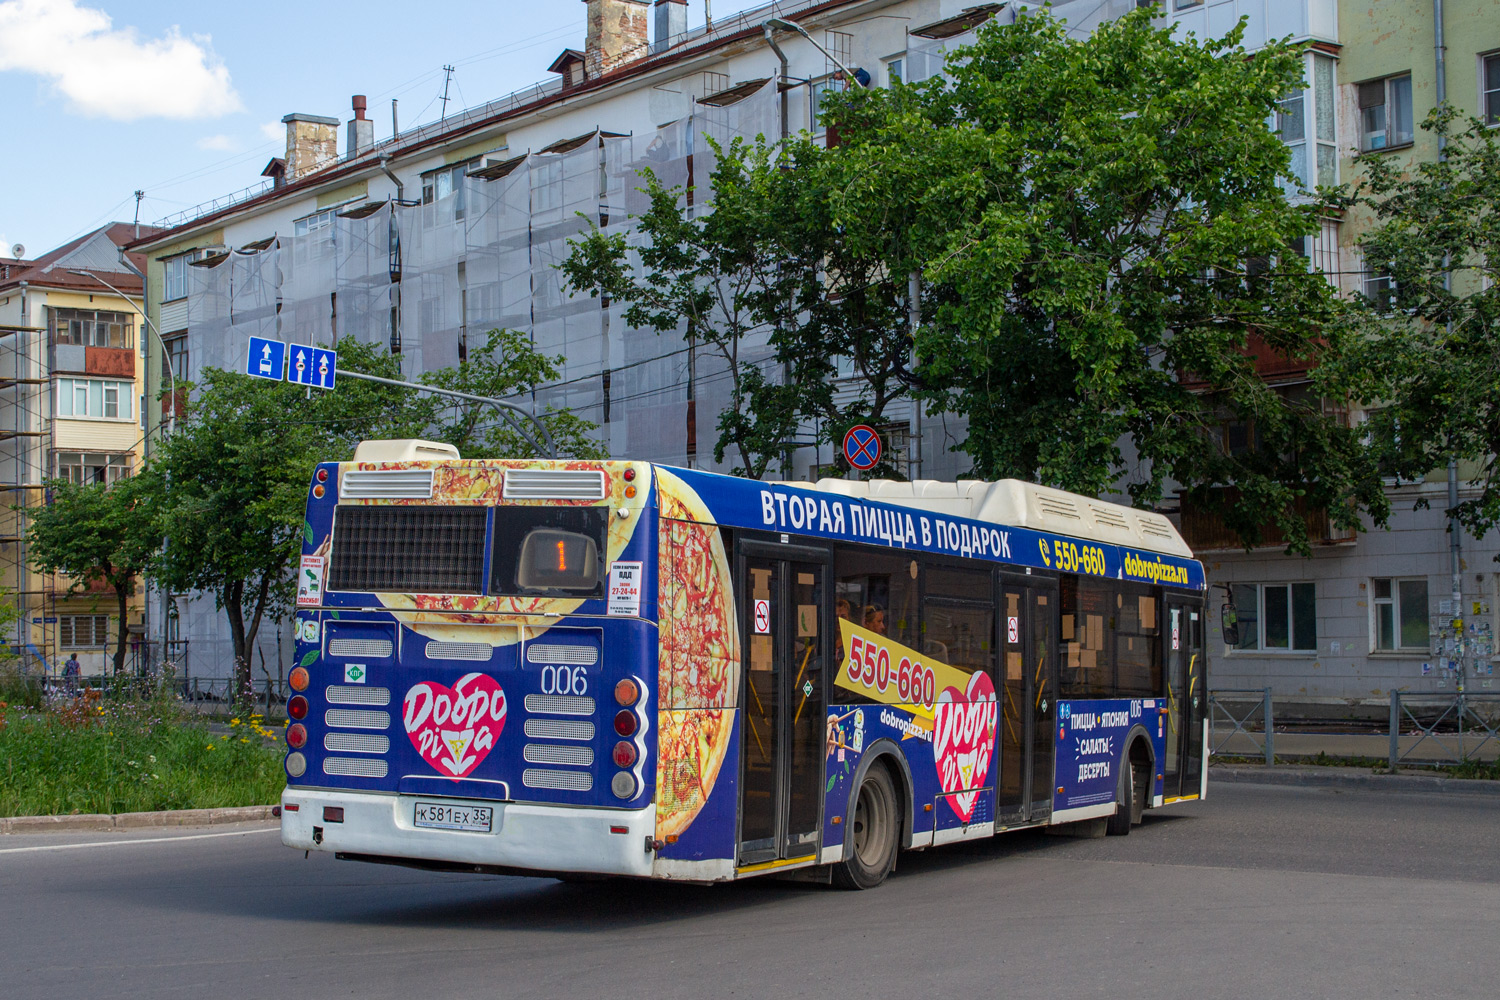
(1336, 777)
(134, 821)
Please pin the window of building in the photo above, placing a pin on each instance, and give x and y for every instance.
(1380, 289)
(894, 71)
(1187, 4)
(1277, 617)
(1489, 88)
(1385, 115)
(92, 328)
(447, 182)
(83, 631)
(92, 467)
(312, 223)
(176, 282)
(1307, 123)
(174, 362)
(1400, 609)
(96, 398)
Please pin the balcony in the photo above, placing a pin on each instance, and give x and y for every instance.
(110, 362)
(1206, 531)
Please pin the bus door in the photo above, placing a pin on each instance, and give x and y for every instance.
(1186, 699)
(784, 621)
(1028, 698)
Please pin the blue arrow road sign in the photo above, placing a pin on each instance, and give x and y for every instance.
(267, 359)
(312, 366)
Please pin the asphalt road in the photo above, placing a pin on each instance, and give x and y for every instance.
(1260, 892)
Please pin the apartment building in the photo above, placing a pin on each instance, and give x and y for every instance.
(72, 385)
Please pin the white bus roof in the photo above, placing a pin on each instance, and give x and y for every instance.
(1021, 505)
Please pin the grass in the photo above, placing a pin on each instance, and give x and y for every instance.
(131, 756)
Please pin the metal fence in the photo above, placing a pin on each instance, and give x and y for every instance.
(1233, 715)
(203, 695)
(1438, 731)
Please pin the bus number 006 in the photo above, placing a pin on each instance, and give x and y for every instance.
(870, 665)
(565, 680)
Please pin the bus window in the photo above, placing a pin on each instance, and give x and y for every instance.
(549, 551)
(1137, 641)
(960, 635)
(877, 591)
(1087, 624)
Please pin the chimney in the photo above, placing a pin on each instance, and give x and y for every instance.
(617, 34)
(671, 22)
(361, 130)
(312, 142)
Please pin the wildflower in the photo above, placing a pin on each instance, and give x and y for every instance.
(209, 746)
(243, 740)
(234, 722)
(151, 757)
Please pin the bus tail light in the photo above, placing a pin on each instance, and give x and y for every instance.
(623, 785)
(624, 754)
(296, 736)
(299, 679)
(625, 722)
(297, 707)
(627, 692)
(296, 765)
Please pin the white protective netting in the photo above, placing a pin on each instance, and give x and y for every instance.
(362, 277)
(208, 343)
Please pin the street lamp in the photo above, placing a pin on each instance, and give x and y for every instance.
(785, 25)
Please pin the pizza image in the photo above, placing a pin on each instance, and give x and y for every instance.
(699, 660)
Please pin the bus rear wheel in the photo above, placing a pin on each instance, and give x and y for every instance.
(1130, 799)
(874, 833)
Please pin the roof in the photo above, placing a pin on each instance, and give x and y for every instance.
(97, 251)
(737, 28)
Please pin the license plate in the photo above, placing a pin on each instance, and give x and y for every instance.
(441, 816)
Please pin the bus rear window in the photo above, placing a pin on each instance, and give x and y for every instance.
(549, 551)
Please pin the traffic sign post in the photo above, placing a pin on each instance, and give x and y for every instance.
(862, 447)
(266, 359)
(314, 366)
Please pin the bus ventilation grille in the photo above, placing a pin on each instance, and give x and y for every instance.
(559, 729)
(537, 652)
(460, 651)
(356, 743)
(536, 777)
(349, 718)
(546, 753)
(375, 649)
(357, 695)
(408, 549)
(553, 484)
(387, 484)
(354, 767)
(559, 704)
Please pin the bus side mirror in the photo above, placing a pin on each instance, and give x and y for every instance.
(1229, 625)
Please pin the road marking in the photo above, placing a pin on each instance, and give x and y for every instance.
(143, 840)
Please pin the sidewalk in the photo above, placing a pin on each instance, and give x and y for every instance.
(1346, 777)
(1441, 747)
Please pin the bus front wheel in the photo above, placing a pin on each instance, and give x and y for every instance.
(874, 833)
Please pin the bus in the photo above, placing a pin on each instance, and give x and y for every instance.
(618, 668)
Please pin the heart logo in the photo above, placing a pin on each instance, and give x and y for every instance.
(455, 728)
(963, 741)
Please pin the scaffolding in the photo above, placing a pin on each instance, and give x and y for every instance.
(25, 447)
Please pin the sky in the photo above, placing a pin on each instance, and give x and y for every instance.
(184, 100)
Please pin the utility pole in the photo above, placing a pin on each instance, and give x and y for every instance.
(447, 76)
(139, 194)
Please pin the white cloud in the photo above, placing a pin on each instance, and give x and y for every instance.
(114, 73)
(273, 130)
(218, 143)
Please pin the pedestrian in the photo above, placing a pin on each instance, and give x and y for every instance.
(72, 671)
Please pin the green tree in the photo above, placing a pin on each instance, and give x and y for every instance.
(95, 533)
(1427, 360)
(1104, 235)
(765, 288)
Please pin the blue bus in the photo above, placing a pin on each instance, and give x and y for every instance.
(580, 668)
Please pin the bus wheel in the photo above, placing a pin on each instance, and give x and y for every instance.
(1126, 808)
(874, 834)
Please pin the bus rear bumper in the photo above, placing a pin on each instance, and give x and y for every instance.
(542, 838)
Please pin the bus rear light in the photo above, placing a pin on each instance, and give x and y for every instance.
(333, 814)
(291, 807)
(624, 754)
(297, 707)
(623, 785)
(619, 829)
(629, 475)
(629, 492)
(322, 475)
(299, 679)
(627, 691)
(296, 736)
(625, 722)
(318, 491)
(296, 765)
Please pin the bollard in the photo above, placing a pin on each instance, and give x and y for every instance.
(1266, 713)
(1395, 746)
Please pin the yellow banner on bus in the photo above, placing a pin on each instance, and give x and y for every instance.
(888, 672)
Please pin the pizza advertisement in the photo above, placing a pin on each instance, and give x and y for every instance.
(699, 655)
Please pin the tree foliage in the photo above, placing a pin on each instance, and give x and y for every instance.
(99, 534)
(1427, 362)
